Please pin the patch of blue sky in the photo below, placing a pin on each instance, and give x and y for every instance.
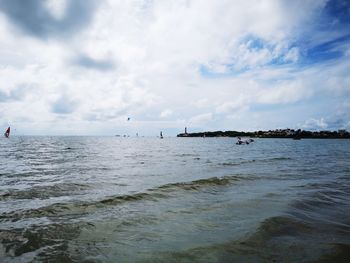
(336, 14)
(252, 43)
(330, 50)
(309, 55)
(281, 60)
(322, 52)
(232, 71)
(255, 43)
(334, 24)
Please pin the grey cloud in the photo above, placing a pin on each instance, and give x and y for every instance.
(3, 96)
(332, 122)
(105, 115)
(96, 64)
(340, 123)
(64, 105)
(34, 18)
(14, 95)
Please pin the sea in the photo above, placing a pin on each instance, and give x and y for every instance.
(113, 199)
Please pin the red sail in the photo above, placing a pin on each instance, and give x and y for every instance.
(7, 133)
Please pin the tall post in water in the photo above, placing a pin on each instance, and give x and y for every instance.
(185, 130)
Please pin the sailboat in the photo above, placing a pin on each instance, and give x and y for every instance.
(161, 135)
(7, 132)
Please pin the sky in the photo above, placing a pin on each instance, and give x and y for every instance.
(83, 67)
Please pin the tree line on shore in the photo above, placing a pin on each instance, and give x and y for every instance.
(278, 133)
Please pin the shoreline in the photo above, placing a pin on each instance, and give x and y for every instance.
(278, 134)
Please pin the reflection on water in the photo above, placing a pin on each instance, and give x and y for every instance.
(108, 199)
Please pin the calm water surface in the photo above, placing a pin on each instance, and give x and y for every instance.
(109, 199)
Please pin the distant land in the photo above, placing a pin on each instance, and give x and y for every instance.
(279, 133)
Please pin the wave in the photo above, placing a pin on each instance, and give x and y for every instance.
(153, 194)
(276, 239)
(48, 244)
(278, 159)
(197, 184)
(186, 155)
(44, 192)
(240, 161)
(266, 244)
(281, 225)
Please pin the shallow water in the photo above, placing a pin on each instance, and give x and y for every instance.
(110, 199)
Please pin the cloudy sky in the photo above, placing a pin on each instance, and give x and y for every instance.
(82, 67)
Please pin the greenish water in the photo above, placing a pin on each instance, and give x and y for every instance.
(109, 199)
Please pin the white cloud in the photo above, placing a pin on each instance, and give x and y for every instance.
(57, 7)
(166, 113)
(144, 58)
(201, 103)
(315, 124)
(292, 55)
(236, 105)
(201, 119)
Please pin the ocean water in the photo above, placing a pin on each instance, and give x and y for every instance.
(110, 199)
